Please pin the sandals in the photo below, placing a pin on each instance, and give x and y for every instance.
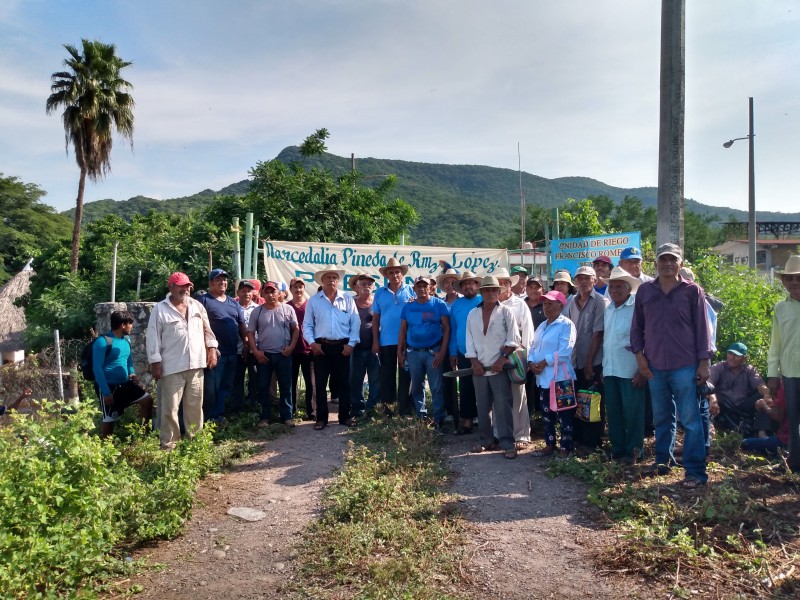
(477, 449)
(521, 445)
(548, 451)
(319, 425)
(692, 484)
(510, 454)
(348, 422)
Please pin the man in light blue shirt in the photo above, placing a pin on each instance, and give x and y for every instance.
(331, 328)
(386, 308)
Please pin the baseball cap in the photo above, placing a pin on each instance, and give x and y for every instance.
(631, 253)
(519, 269)
(216, 273)
(585, 270)
(246, 283)
(424, 279)
(270, 284)
(179, 278)
(738, 348)
(671, 249)
(603, 259)
(557, 296)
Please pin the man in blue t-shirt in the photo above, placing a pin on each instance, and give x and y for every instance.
(422, 345)
(386, 308)
(116, 383)
(226, 318)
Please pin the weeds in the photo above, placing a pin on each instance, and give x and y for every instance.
(715, 541)
(386, 530)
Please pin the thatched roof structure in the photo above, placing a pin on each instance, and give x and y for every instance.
(12, 318)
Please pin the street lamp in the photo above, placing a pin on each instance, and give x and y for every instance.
(751, 207)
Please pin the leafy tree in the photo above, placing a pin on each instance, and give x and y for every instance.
(96, 101)
(26, 225)
(294, 204)
(580, 219)
(314, 144)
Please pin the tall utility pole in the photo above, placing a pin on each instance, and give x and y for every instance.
(521, 201)
(751, 197)
(672, 117)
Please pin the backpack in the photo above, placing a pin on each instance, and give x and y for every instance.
(86, 366)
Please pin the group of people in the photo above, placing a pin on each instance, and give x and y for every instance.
(644, 344)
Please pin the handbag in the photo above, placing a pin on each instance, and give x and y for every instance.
(518, 368)
(562, 393)
(588, 405)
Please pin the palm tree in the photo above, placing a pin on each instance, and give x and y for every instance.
(96, 101)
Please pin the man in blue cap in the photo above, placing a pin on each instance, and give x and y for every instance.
(737, 388)
(226, 318)
(630, 259)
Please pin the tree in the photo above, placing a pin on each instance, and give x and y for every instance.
(26, 226)
(96, 101)
(294, 204)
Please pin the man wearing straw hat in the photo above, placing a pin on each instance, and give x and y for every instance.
(492, 335)
(386, 308)
(447, 281)
(467, 408)
(331, 327)
(522, 317)
(783, 358)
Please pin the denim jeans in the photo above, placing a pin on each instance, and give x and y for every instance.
(237, 403)
(420, 363)
(364, 362)
(218, 386)
(282, 366)
(395, 383)
(671, 390)
(769, 445)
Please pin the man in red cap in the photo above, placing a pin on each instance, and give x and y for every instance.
(180, 344)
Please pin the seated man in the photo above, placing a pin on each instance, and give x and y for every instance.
(737, 387)
(116, 382)
(775, 410)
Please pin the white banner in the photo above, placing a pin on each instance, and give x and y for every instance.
(286, 260)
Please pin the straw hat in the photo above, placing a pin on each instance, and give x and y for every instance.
(354, 279)
(318, 275)
(620, 274)
(490, 281)
(448, 274)
(466, 276)
(792, 267)
(502, 273)
(391, 264)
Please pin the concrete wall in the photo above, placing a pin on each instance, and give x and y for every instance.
(141, 315)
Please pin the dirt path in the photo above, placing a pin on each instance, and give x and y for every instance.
(530, 536)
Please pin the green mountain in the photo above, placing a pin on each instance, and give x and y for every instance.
(459, 205)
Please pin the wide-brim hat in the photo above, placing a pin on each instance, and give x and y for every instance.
(449, 273)
(620, 274)
(354, 279)
(563, 276)
(466, 276)
(318, 275)
(502, 273)
(490, 281)
(393, 263)
(792, 266)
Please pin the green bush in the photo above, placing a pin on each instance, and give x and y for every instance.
(68, 499)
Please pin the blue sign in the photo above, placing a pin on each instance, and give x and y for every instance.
(571, 253)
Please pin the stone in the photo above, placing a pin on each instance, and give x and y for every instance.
(246, 514)
(218, 554)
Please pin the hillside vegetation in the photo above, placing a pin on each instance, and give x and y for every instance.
(458, 205)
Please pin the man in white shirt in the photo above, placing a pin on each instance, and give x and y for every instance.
(180, 344)
(492, 335)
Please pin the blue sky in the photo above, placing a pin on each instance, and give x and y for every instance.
(221, 85)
